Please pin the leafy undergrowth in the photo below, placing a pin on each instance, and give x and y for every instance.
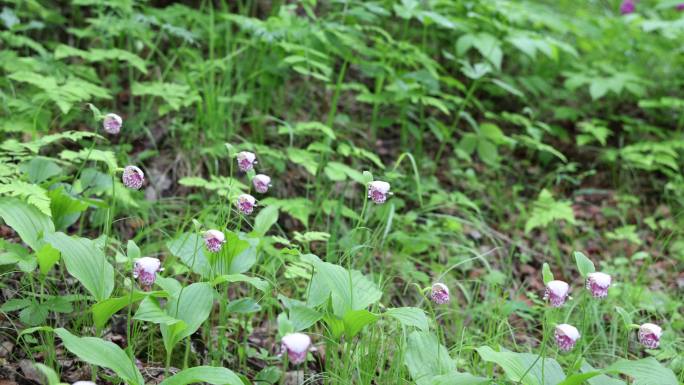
(434, 192)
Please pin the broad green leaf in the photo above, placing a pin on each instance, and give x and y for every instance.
(584, 264)
(579, 378)
(102, 353)
(243, 306)
(426, 357)
(298, 208)
(86, 262)
(454, 378)
(335, 325)
(254, 281)
(132, 250)
(34, 314)
(39, 169)
(150, 311)
(302, 317)
(600, 379)
(26, 220)
(336, 171)
(13, 253)
(65, 209)
(266, 218)
(409, 316)
(192, 305)
(190, 249)
(209, 374)
(86, 154)
(488, 152)
(646, 371)
(356, 320)
(237, 255)
(525, 368)
(50, 375)
(103, 311)
(350, 290)
(47, 257)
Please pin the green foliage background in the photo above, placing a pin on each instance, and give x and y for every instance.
(513, 133)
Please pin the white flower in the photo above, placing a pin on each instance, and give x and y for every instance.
(246, 160)
(261, 183)
(214, 239)
(566, 336)
(598, 284)
(146, 269)
(556, 292)
(112, 123)
(439, 293)
(246, 203)
(133, 177)
(378, 191)
(649, 335)
(296, 345)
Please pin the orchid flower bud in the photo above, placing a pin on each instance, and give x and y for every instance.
(296, 345)
(112, 124)
(145, 270)
(598, 284)
(133, 177)
(566, 337)
(261, 183)
(378, 191)
(649, 335)
(214, 240)
(246, 204)
(439, 293)
(556, 293)
(246, 160)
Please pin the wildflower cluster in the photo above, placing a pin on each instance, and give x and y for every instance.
(597, 283)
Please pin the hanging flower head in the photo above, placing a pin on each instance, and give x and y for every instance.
(145, 270)
(627, 7)
(680, 7)
(261, 183)
(133, 177)
(112, 124)
(296, 345)
(214, 240)
(246, 203)
(566, 337)
(556, 293)
(378, 191)
(439, 293)
(598, 284)
(649, 335)
(246, 160)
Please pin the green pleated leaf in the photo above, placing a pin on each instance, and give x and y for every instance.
(209, 374)
(86, 262)
(102, 353)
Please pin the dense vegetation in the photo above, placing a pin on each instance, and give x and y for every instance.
(342, 192)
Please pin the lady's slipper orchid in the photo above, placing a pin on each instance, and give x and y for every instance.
(133, 177)
(296, 345)
(566, 337)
